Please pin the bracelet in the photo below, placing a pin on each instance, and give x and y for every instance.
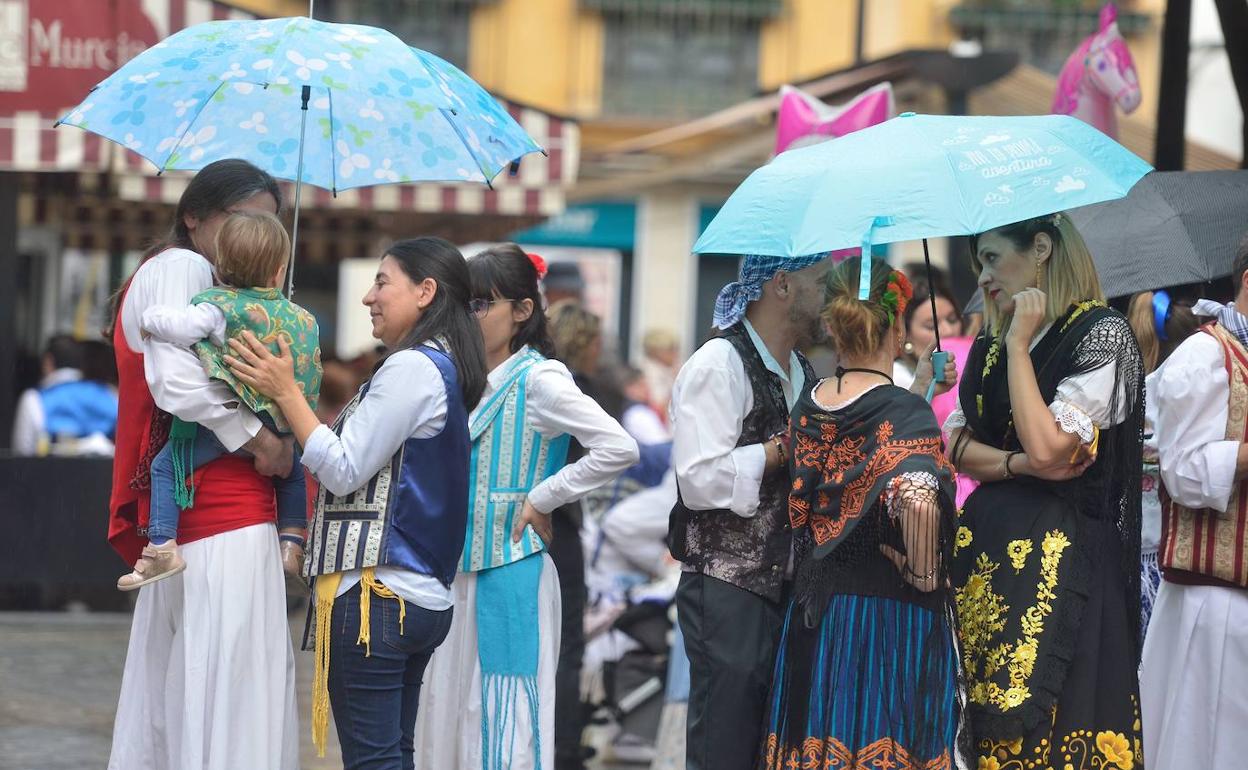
(930, 574)
(1009, 474)
(780, 452)
(292, 538)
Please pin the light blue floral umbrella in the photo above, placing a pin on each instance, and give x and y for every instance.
(918, 177)
(336, 105)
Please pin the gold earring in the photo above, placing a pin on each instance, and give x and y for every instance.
(1038, 263)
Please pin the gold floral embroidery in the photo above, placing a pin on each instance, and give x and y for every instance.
(1080, 309)
(1018, 550)
(1078, 750)
(982, 612)
(990, 360)
(964, 539)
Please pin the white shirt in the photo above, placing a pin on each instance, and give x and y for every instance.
(710, 399)
(174, 374)
(28, 420)
(1080, 406)
(406, 399)
(644, 424)
(1189, 398)
(555, 406)
(187, 325)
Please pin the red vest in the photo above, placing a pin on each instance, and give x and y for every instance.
(229, 494)
(1205, 546)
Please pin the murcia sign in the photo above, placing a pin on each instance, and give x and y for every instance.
(53, 51)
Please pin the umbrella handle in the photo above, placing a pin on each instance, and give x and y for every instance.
(931, 296)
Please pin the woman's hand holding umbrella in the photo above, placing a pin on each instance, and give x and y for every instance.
(923, 373)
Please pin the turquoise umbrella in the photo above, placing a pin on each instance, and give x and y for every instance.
(335, 105)
(918, 177)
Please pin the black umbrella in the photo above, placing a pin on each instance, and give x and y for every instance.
(1173, 228)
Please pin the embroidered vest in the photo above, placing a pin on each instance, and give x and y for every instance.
(748, 553)
(1206, 542)
(411, 513)
(509, 458)
(268, 315)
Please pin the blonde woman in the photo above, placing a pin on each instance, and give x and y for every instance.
(1046, 573)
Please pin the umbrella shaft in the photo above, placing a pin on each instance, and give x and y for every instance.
(294, 235)
(931, 294)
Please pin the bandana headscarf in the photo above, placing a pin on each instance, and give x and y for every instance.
(1227, 315)
(756, 270)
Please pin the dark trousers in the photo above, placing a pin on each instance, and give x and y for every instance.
(566, 552)
(374, 697)
(730, 638)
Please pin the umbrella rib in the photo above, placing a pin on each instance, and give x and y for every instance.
(164, 166)
(333, 145)
(488, 182)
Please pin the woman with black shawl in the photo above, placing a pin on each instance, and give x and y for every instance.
(1047, 568)
(867, 674)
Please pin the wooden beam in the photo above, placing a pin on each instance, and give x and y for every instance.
(757, 145)
(1234, 17)
(763, 106)
(1172, 101)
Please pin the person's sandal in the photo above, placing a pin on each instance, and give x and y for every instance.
(157, 563)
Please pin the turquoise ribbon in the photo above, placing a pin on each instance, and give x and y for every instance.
(864, 277)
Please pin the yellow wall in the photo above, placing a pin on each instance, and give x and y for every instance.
(547, 53)
(272, 8)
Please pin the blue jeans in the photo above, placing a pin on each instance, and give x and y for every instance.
(374, 698)
(292, 506)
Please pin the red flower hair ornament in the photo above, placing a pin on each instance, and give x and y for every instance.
(897, 294)
(539, 264)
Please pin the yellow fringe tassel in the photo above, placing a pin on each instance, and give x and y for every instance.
(326, 592)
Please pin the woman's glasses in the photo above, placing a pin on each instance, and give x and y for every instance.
(481, 307)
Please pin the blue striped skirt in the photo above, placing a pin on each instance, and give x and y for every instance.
(874, 685)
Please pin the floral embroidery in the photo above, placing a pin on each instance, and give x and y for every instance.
(1080, 309)
(832, 754)
(990, 360)
(982, 612)
(1078, 750)
(963, 539)
(1018, 550)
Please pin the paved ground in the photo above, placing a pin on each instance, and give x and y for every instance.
(59, 678)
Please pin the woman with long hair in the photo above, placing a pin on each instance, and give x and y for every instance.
(219, 627)
(388, 526)
(1161, 321)
(1050, 419)
(867, 673)
(489, 701)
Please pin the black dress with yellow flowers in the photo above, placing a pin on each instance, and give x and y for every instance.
(1046, 573)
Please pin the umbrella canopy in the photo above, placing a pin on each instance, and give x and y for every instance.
(376, 110)
(920, 176)
(1174, 227)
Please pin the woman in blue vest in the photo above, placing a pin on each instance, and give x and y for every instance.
(489, 698)
(389, 524)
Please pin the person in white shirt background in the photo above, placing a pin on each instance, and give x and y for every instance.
(1195, 658)
(67, 413)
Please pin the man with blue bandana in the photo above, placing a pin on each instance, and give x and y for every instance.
(730, 414)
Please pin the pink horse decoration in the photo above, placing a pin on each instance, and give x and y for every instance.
(1097, 75)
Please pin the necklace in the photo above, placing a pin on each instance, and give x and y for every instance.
(841, 372)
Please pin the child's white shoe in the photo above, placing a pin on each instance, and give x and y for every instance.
(157, 563)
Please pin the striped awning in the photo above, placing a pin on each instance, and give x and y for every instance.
(28, 142)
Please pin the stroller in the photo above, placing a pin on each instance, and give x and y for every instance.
(632, 586)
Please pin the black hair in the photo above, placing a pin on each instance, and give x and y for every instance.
(65, 351)
(922, 299)
(506, 271)
(215, 188)
(447, 316)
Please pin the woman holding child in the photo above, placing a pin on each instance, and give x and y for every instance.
(209, 676)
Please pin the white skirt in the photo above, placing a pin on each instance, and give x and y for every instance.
(448, 721)
(209, 682)
(1192, 679)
